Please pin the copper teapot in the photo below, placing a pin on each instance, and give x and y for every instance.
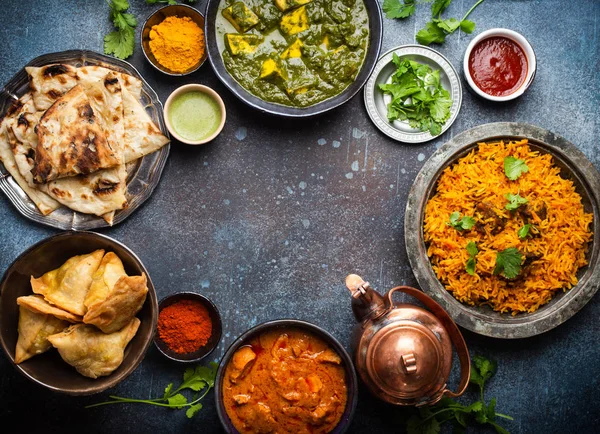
(403, 352)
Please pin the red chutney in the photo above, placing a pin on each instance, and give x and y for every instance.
(498, 66)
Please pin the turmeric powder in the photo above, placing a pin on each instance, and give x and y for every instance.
(177, 43)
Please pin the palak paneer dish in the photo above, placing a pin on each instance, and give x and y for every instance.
(293, 52)
(285, 380)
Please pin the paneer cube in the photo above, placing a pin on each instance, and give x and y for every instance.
(294, 50)
(286, 5)
(271, 70)
(294, 22)
(241, 16)
(242, 44)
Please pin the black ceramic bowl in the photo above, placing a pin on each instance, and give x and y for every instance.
(375, 38)
(351, 379)
(48, 369)
(215, 336)
(483, 320)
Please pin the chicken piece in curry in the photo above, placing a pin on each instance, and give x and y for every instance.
(285, 380)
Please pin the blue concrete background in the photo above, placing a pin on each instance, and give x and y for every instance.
(269, 218)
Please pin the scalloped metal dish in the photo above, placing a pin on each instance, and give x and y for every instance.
(376, 102)
(482, 319)
(143, 175)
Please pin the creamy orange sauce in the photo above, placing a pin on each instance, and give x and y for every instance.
(286, 380)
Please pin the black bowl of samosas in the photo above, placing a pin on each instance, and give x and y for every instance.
(78, 312)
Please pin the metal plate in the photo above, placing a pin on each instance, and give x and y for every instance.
(142, 176)
(376, 101)
(483, 320)
(216, 60)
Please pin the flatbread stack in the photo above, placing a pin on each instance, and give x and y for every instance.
(86, 309)
(68, 141)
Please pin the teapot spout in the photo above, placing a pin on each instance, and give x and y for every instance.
(366, 302)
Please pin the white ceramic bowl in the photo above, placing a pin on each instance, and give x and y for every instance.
(194, 88)
(529, 54)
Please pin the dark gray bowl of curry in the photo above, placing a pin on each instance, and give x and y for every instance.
(293, 58)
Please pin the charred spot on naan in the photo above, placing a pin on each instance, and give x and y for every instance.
(111, 82)
(105, 187)
(54, 70)
(60, 194)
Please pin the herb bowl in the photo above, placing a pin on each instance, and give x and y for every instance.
(48, 369)
(215, 336)
(156, 18)
(573, 165)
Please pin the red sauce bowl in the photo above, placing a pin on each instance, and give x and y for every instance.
(499, 64)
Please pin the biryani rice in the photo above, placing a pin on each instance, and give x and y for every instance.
(558, 251)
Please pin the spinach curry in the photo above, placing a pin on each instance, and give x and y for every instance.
(293, 52)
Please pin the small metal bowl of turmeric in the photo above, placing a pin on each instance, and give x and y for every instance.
(173, 40)
(189, 327)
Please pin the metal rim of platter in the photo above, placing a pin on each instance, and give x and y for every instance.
(376, 102)
(574, 165)
(142, 177)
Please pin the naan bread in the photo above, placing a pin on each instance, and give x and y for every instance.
(34, 329)
(67, 286)
(50, 82)
(43, 202)
(71, 140)
(92, 352)
(125, 299)
(37, 304)
(142, 137)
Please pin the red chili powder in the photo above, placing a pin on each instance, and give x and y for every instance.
(184, 326)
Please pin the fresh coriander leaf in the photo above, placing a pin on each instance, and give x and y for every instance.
(514, 201)
(471, 262)
(119, 5)
(119, 43)
(485, 367)
(508, 262)
(416, 425)
(472, 248)
(168, 390)
(524, 231)
(438, 6)
(498, 428)
(454, 218)
(398, 8)
(431, 34)
(177, 401)
(467, 26)
(514, 168)
(459, 223)
(191, 412)
(449, 25)
(470, 266)
(130, 19)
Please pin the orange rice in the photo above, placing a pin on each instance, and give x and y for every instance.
(559, 250)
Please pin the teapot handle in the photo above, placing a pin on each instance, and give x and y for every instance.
(455, 336)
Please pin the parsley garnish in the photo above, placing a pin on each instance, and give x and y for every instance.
(429, 419)
(437, 29)
(472, 251)
(514, 201)
(459, 223)
(121, 42)
(524, 231)
(508, 262)
(397, 9)
(513, 167)
(202, 378)
(417, 96)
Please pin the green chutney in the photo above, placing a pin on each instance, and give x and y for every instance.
(195, 115)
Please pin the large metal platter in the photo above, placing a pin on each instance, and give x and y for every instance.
(143, 176)
(483, 320)
(376, 101)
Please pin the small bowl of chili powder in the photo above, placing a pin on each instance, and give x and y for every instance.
(499, 64)
(189, 327)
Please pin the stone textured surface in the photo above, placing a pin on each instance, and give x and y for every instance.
(269, 218)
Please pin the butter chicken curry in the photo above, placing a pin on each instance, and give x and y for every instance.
(285, 380)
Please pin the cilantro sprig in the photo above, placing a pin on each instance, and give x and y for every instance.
(399, 9)
(508, 262)
(460, 223)
(120, 42)
(417, 96)
(471, 262)
(199, 379)
(514, 201)
(429, 419)
(514, 167)
(528, 230)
